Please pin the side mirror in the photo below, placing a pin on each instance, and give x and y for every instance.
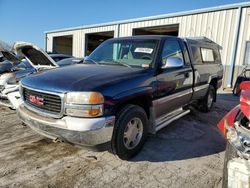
(172, 62)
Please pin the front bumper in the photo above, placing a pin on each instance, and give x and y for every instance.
(79, 131)
(239, 173)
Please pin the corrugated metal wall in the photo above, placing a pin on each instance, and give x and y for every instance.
(97, 30)
(79, 38)
(219, 26)
(244, 36)
(77, 47)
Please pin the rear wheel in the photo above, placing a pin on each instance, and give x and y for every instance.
(207, 103)
(130, 131)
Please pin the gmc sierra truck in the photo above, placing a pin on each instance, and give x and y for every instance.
(127, 88)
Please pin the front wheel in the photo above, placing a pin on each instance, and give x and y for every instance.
(130, 131)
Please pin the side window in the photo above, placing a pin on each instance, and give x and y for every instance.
(207, 55)
(196, 54)
(186, 54)
(171, 48)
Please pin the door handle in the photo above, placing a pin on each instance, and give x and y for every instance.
(186, 75)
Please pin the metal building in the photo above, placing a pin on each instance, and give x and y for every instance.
(227, 25)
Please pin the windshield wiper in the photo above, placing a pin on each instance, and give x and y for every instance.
(124, 64)
(121, 63)
(92, 61)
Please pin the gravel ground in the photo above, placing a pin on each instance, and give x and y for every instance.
(187, 153)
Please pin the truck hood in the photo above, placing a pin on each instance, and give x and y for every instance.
(36, 56)
(11, 57)
(83, 77)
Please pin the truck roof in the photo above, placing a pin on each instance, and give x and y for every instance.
(145, 37)
(202, 41)
(191, 40)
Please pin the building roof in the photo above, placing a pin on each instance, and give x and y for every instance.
(183, 13)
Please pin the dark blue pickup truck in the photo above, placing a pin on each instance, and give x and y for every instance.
(127, 88)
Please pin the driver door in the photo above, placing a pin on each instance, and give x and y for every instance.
(174, 84)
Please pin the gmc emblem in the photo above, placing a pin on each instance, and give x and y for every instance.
(36, 100)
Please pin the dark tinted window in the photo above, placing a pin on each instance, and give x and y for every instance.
(196, 54)
(186, 55)
(205, 55)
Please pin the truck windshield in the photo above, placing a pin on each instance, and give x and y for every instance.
(129, 53)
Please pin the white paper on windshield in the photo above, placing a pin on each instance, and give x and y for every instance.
(144, 50)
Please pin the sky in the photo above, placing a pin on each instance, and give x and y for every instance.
(27, 20)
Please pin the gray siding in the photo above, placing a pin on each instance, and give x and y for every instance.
(220, 26)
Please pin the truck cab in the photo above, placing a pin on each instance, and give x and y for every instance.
(128, 87)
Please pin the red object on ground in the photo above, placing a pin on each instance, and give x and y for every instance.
(228, 120)
(245, 98)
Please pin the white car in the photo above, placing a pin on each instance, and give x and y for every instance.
(9, 82)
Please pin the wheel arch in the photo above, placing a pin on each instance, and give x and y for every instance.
(214, 83)
(145, 102)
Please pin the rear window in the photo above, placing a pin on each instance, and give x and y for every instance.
(196, 55)
(207, 55)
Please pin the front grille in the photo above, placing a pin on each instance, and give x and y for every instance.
(51, 103)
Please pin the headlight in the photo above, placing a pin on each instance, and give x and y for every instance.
(84, 104)
(84, 98)
(232, 136)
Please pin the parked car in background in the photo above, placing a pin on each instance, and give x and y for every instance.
(1, 58)
(70, 61)
(235, 127)
(127, 88)
(58, 57)
(5, 66)
(9, 82)
(9, 61)
(244, 76)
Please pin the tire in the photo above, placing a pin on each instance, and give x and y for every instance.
(131, 125)
(207, 103)
(229, 154)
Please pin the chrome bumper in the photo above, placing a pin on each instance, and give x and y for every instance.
(79, 131)
(238, 173)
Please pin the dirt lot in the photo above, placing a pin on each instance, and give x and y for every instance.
(187, 153)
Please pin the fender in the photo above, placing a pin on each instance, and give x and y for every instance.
(135, 94)
(132, 93)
